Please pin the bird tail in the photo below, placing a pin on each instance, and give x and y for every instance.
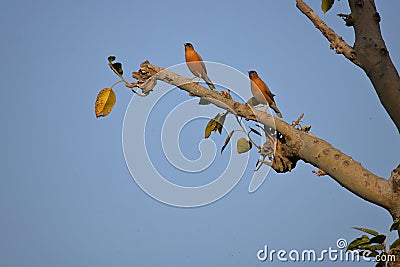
(275, 108)
(209, 82)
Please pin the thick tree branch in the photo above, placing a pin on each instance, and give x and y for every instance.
(369, 51)
(374, 56)
(294, 144)
(395, 182)
(337, 42)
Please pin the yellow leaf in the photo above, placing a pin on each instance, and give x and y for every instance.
(243, 145)
(215, 124)
(326, 5)
(105, 102)
(211, 126)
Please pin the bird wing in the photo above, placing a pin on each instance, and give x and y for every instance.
(266, 89)
(200, 60)
(203, 65)
(195, 63)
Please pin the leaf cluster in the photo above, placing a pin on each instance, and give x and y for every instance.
(374, 244)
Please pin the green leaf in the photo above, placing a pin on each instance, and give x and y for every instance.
(253, 101)
(243, 145)
(326, 5)
(364, 246)
(255, 131)
(380, 264)
(111, 59)
(358, 243)
(379, 239)
(204, 101)
(369, 253)
(118, 68)
(395, 225)
(366, 230)
(376, 247)
(395, 244)
(228, 138)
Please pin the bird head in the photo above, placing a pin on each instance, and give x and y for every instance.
(188, 45)
(252, 74)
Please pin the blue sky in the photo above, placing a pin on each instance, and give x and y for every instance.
(67, 197)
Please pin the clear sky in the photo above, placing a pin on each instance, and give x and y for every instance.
(67, 197)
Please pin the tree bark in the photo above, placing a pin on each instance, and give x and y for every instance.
(374, 57)
(369, 51)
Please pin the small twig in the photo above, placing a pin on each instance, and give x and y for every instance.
(117, 82)
(348, 19)
(385, 242)
(306, 128)
(260, 163)
(123, 80)
(269, 135)
(297, 122)
(247, 133)
(268, 163)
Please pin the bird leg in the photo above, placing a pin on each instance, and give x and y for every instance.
(262, 105)
(195, 82)
(259, 106)
(266, 108)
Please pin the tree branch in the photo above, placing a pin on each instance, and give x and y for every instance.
(294, 144)
(369, 51)
(337, 42)
(374, 56)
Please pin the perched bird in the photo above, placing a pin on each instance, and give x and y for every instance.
(262, 93)
(196, 65)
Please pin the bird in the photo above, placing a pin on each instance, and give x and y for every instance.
(261, 92)
(196, 65)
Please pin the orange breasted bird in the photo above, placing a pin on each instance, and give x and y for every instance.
(196, 65)
(261, 92)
